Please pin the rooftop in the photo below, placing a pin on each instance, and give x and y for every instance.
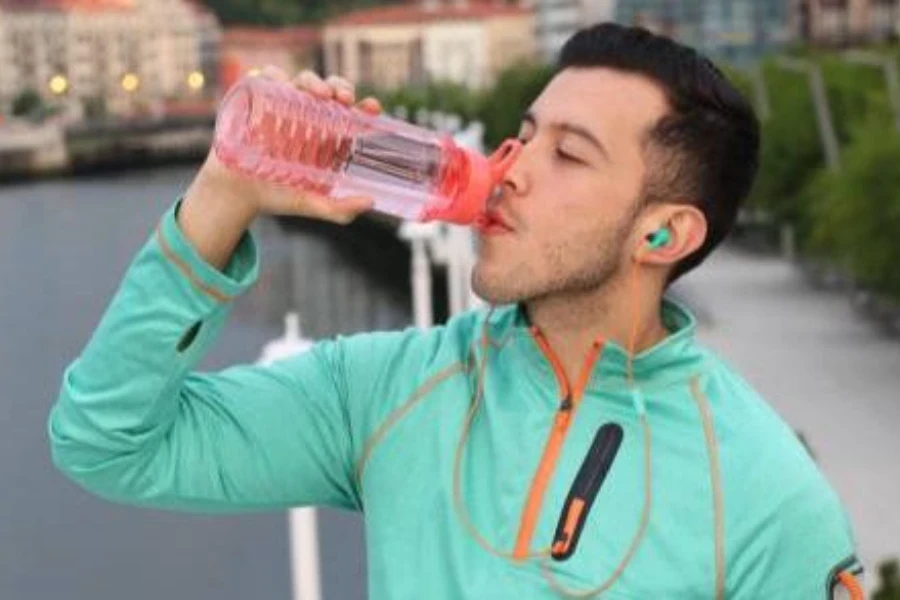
(418, 12)
(283, 36)
(66, 5)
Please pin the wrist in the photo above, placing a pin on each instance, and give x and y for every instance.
(224, 192)
(215, 213)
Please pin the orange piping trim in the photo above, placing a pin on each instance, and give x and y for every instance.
(851, 584)
(555, 441)
(458, 502)
(184, 268)
(398, 413)
(551, 357)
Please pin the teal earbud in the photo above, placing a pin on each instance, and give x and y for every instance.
(659, 238)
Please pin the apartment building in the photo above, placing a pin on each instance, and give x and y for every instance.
(842, 22)
(557, 20)
(126, 54)
(732, 30)
(7, 72)
(461, 41)
(291, 49)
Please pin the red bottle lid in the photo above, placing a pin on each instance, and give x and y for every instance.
(485, 173)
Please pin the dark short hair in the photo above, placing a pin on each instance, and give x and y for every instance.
(706, 150)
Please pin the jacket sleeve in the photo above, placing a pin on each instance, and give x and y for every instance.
(135, 423)
(806, 544)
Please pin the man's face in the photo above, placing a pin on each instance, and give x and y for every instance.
(569, 201)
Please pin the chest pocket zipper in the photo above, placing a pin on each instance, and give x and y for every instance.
(584, 489)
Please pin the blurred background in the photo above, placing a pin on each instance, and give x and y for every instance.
(107, 107)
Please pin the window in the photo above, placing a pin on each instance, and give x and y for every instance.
(365, 62)
(883, 18)
(834, 21)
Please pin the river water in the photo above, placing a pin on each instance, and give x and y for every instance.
(64, 245)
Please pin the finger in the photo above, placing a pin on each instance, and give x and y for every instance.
(344, 90)
(348, 209)
(309, 81)
(336, 210)
(370, 105)
(273, 72)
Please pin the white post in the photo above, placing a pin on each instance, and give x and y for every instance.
(827, 134)
(760, 91)
(887, 64)
(454, 270)
(305, 570)
(302, 528)
(401, 113)
(423, 313)
(418, 235)
(788, 242)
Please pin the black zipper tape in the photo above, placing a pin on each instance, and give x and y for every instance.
(587, 484)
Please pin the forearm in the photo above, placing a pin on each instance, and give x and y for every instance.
(135, 423)
(216, 212)
(121, 396)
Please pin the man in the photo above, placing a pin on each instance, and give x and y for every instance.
(573, 441)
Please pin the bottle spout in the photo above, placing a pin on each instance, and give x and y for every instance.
(485, 174)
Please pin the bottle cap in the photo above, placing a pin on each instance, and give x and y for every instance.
(484, 174)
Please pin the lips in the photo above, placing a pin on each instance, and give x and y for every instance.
(492, 223)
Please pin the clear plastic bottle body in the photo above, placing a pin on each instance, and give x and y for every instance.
(270, 130)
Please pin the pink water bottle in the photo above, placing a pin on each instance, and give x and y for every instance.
(271, 130)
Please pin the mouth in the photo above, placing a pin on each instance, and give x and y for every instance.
(491, 223)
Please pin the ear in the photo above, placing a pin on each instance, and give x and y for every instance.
(687, 231)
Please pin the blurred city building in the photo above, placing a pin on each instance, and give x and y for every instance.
(844, 22)
(109, 56)
(731, 30)
(461, 41)
(557, 20)
(291, 49)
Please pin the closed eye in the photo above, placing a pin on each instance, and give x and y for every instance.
(567, 157)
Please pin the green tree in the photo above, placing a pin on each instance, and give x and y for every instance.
(791, 150)
(499, 108)
(28, 104)
(443, 96)
(284, 12)
(504, 104)
(889, 587)
(792, 157)
(856, 213)
(95, 108)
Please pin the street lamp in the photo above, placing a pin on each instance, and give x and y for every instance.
(58, 85)
(196, 81)
(820, 101)
(130, 82)
(889, 66)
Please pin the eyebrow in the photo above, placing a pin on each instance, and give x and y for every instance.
(572, 128)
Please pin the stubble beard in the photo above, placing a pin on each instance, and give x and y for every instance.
(599, 263)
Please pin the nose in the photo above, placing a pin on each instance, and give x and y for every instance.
(515, 179)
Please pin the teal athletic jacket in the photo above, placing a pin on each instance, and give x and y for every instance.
(480, 471)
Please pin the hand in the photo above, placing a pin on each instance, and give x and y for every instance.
(262, 197)
(221, 203)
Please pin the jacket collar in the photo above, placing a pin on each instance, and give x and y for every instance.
(674, 358)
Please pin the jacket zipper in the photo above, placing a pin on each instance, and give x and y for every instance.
(570, 397)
